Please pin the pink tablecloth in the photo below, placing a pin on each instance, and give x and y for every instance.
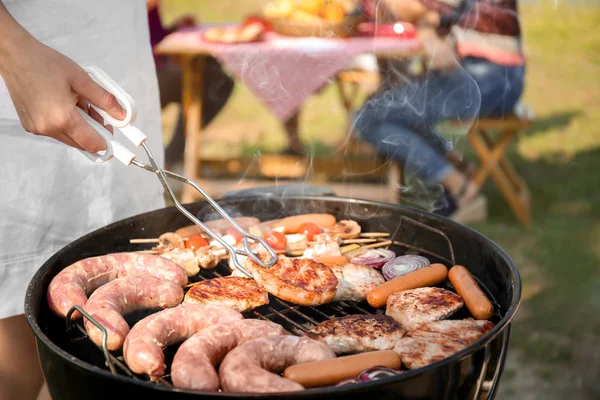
(283, 71)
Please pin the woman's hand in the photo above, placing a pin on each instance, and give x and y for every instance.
(46, 87)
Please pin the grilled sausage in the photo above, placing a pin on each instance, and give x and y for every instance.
(253, 366)
(466, 286)
(216, 225)
(292, 224)
(330, 372)
(72, 285)
(143, 347)
(194, 363)
(427, 276)
(109, 303)
(330, 261)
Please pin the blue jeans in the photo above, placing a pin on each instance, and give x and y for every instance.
(400, 122)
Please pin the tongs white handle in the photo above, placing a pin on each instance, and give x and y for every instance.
(137, 137)
(113, 147)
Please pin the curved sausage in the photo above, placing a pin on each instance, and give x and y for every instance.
(426, 276)
(72, 285)
(253, 366)
(143, 347)
(475, 299)
(109, 303)
(194, 363)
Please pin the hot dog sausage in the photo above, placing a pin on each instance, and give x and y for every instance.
(143, 347)
(194, 363)
(330, 372)
(72, 285)
(247, 367)
(467, 288)
(216, 225)
(427, 276)
(110, 302)
(332, 260)
(292, 224)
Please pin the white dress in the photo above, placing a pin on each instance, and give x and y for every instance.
(52, 194)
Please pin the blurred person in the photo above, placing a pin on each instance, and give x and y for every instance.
(51, 193)
(217, 87)
(475, 69)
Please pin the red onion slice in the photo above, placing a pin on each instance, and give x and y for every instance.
(350, 381)
(371, 374)
(374, 257)
(375, 373)
(403, 265)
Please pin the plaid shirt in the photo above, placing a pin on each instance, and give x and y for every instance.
(488, 29)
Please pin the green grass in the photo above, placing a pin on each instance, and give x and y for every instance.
(559, 259)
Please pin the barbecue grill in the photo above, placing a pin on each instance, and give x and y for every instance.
(75, 368)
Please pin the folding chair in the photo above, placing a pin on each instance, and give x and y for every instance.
(494, 163)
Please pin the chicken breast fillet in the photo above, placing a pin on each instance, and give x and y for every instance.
(299, 281)
(358, 333)
(415, 307)
(355, 281)
(440, 339)
(241, 294)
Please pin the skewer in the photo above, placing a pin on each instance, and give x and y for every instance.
(374, 234)
(143, 241)
(148, 251)
(379, 244)
(353, 241)
(367, 237)
(148, 240)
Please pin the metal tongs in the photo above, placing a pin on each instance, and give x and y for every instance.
(137, 137)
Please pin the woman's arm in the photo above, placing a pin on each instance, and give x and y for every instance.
(46, 87)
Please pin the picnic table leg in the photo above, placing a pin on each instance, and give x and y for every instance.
(292, 127)
(193, 81)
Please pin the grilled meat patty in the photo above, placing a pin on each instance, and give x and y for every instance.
(241, 294)
(355, 281)
(299, 281)
(437, 340)
(415, 307)
(358, 333)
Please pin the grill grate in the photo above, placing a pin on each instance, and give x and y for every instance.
(296, 319)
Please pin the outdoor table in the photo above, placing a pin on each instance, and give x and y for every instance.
(280, 71)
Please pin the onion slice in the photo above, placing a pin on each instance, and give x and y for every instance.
(374, 257)
(371, 374)
(403, 265)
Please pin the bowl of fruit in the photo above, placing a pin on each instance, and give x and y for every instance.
(319, 18)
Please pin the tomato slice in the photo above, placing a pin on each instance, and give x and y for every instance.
(276, 240)
(310, 229)
(195, 242)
